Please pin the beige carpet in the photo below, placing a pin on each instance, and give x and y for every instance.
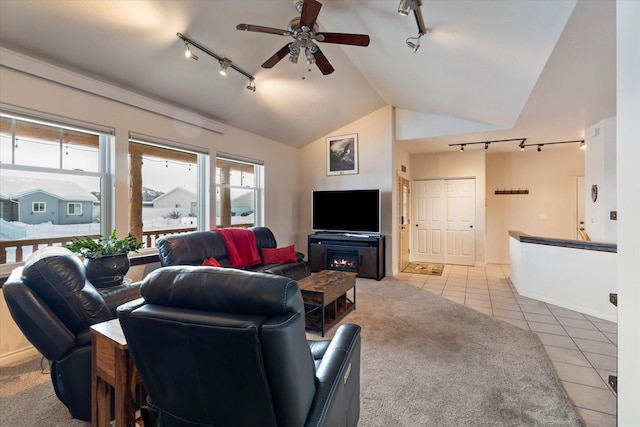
(424, 268)
(426, 361)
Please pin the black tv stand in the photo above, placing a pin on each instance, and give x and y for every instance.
(367, 250)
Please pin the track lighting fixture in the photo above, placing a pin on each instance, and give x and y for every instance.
(187, 52)
(540, 145)
(414, 46)
(252, 85)
(404, 8)
(225, 63)
(487, 143)
(582, 145)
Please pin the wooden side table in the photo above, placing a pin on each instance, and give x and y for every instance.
(112, 367)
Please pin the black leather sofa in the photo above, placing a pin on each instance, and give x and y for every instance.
(54, 305)
(227, 347)
(194, 247)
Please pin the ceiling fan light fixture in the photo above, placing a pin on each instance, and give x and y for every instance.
(309, 55)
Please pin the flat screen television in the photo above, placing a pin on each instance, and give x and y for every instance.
(346, 211)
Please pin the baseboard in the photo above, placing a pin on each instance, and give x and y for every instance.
(15, 356)
(499, 261)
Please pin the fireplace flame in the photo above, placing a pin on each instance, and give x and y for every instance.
(343, 263)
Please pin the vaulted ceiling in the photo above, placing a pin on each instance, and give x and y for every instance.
(491, 69)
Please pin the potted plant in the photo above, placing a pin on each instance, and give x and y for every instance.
(106, 259)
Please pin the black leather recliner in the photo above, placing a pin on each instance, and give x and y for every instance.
(54, 305)
(226, 347)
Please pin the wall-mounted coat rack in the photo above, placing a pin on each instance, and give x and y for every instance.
(512, 191)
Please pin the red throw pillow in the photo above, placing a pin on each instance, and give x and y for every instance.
(279, 255)
(211, 262)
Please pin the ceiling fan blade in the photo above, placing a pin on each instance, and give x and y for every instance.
(260, 29)
(269, 63)
(323, 63)
(344, 38)
(309, 13)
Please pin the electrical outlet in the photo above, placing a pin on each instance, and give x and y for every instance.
(613, 215)
(613, 299)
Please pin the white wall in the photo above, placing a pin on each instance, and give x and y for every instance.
(375, 170)
(22, 90)
(600, 170)
(628, 177)
(549, 210)
(468, 164)
(576, 279)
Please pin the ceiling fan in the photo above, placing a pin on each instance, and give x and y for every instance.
(304, 30)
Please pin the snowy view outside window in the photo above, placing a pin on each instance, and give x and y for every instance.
(50, 182)
(52, 187)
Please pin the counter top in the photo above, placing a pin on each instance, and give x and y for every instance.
(574, 244)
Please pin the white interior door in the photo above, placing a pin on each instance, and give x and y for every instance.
(428, 220)
(444, 221)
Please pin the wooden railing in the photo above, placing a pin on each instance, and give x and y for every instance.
(31, 245)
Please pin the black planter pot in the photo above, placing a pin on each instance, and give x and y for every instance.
(107, 271)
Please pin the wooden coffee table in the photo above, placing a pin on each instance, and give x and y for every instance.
(325, 298)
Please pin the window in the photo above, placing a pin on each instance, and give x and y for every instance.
(166, 189)
(239, 193)
(54, 181)
(74, 208)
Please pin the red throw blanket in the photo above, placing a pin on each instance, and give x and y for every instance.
(241, 246)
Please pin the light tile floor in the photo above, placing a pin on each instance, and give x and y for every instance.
(582, 348)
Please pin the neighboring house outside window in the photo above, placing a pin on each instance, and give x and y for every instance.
(239, 193)
(53, 183)
(164, 178)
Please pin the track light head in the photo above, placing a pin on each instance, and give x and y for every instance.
(252, 85)
(539, 147)
(404, 7)
(187, 52)
(224, 65)
(582, 145)
(414, 46)
(486, 145)
(462, 147)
